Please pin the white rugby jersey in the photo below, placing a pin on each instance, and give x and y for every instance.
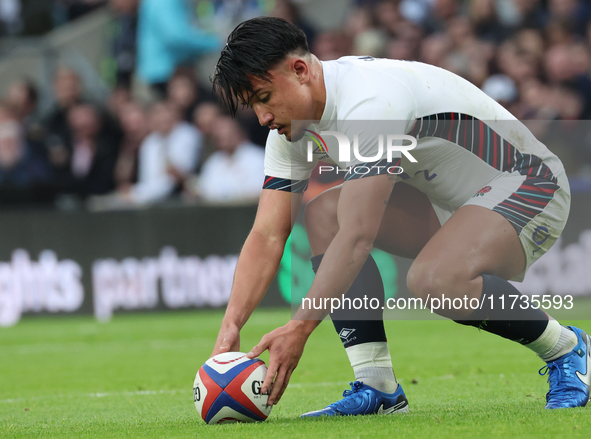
(465, 139)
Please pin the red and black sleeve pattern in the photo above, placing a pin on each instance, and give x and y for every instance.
(286, 185)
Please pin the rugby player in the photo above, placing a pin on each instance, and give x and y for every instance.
(483, 200)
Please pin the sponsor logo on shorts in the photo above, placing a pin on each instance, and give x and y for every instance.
(482, 191)
(539, 236)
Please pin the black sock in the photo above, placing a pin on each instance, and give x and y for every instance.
(362, 325)
(521, 325)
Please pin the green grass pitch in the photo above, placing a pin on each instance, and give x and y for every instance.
(71, 377)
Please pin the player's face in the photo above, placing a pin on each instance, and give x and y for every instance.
(283, 99)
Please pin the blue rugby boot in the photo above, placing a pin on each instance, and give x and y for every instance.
(570, 375)
(364, 400)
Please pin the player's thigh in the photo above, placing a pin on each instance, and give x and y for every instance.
(409, 221)
(473, 241)
(321, 219)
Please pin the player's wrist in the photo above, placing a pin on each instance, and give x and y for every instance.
(231, 322)
(305, 327)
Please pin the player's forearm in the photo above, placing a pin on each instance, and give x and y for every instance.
(340, 266)
(257, 265)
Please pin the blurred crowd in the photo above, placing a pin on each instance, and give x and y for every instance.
(533, 56)
(123, 153)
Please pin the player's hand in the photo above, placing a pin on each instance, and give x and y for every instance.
(285, 345)
(228, 340)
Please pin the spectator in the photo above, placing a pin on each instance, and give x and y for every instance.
(442, 12)
(487, 27)
(535, 101)
(570, 103)
(134, 122)
(562, 64)
(120, 96)
(89, 166)
(407, 42)
(371, 43)
(287, 10)
(388, 16)
(167, 39)
(67, 92)
(434, 49)
(531, 14)
(166, 157)
(204, 118)
(516, 63)
(5, 112)
(235, 172)
(24, 176)
(184, 92)
(331, 45)
(22, 98)
(366, 38)
(559, 32)
(575, 12)
(531, 42)
(501, 88)
(531, 55)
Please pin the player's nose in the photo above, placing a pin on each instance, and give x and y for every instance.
(265, 118)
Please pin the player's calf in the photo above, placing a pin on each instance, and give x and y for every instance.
(445, 291)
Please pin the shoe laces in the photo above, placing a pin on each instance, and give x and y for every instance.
(355, 387)
(557, 374)
(350, 397)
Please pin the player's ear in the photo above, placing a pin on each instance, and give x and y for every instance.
(301, 69)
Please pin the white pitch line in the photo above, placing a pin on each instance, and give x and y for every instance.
(75, 347)
(300, 385)
(136, 393)
(97, 395)
(140, 393)
(175, 391)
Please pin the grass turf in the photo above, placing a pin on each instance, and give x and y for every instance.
(73, 377)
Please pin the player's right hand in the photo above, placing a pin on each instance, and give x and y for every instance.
(228, 340)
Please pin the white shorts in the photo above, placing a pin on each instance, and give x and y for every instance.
(537, 209)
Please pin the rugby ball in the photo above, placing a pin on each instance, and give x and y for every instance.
(227, 389)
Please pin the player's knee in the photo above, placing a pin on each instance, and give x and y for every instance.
(420, 282)
(425, 282)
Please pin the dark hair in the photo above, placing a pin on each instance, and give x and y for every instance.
(254, 47)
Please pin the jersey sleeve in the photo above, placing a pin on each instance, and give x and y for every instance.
(286, 185)
(285, 169)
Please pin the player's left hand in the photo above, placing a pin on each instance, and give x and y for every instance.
(285, 345)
